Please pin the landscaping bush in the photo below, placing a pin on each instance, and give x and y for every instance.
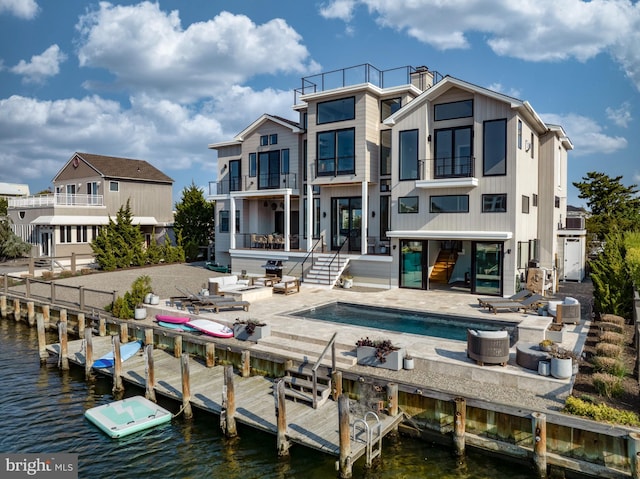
(599, 412)
(608, 350)
(611, 366)
(612, 318)
(614, 328)
(612, 338)
(608, 385)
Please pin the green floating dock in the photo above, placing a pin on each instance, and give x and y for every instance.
(127, 416)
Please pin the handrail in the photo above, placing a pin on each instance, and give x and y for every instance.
(337, 255)
(314, 370)
(309, 254)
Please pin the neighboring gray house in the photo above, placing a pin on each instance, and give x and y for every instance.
(88, 190)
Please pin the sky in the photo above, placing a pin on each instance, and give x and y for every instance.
(159, 81)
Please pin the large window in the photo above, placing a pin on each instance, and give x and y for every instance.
(269, 169)
(385, 208)
(253, 164)
(494, 203)
(385, 152)
(453, 149)
(453, 110)
(336, 152)
(224, 221)
(449, 204)
(409, 155)
(336, 110)
(408, 204)
(495, 148)
(81, 234)
(285, 162)
(65, 234)
(388, 107)
(235, 180)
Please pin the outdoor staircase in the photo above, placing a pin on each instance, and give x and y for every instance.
(324, 271)
(298, 382)
(443, 267)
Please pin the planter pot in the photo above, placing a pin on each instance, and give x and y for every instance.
(347, 283)
(155, 299)
(367, 357)
(240, 332)
(140, 313)
(408, 363)
(147, 298)
(561, 368)
(543, 368)
(555, 336)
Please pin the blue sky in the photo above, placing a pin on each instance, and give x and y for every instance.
(160, 81)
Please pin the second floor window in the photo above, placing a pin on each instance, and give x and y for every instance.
(409, 155)
(235, 181)
(495, 148)
(264, 140)
(453, 110)
(269, 170)
(224, 221)
(389, 106)
(496, 203)
(336, 110)
(385, 152)
(114, 186)
(285, 162)
(449, 204)
(336, 152)
(453, 149)
(253, 164)
(408, 204)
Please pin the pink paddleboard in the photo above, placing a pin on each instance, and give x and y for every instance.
(165, 318)
(211, 328)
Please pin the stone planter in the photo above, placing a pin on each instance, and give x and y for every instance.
(367, 357)
(561, 368)
(140, 313)
(240, 332)
(555, 336)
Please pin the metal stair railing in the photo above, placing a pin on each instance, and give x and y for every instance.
(314, 370)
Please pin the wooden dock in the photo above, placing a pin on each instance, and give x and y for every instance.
(254, 399)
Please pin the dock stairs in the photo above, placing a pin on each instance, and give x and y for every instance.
(326, 269)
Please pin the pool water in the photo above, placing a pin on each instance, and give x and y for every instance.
(404, 321)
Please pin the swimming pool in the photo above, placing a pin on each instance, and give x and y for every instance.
(404, 321)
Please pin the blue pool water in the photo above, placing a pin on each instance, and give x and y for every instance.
(404, 321)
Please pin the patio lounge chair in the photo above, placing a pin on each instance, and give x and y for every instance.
(491, 347)
(566, 311)
(525, 305)
(520, 295)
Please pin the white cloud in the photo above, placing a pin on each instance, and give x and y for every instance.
(586, 134)
(512, 92)
(148, 50)
(620, 116)
(26, 9)
(532, 30)
(41, 66)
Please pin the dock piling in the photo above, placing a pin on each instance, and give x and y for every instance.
(392, 395)
(281, 415)
(88, 352)
(42, 339)
(539, 426)
(124, 333)
(459, 425)
(336, 384)
(31, 315)
(64, 348)
(228, 412)
(210, 354)
(117, 366)
(177, 346)
(344, 462)
(633, 446)
(46, 315)
(16, 309)
(82, 324)
(3, 303)
(150, 374)
(245, 360)
(186, 387)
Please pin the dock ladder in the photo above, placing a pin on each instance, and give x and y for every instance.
(372, 435)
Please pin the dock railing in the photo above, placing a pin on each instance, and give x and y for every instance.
(331, 344)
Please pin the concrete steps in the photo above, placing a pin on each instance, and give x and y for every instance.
(326, 269)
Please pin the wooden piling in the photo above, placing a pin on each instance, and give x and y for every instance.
(3, 303)
(210, 355)
(64, 346)
(228, 412)
(82, 324)
(63, 315)
(42, 339)
(245, 360)
(281, 414)
(124, 333)
(148, 336)
(88, 352)
(344, 462)
(117, 366)
(102, 326)
(46, 314)
(392, 396)
(16, 309)
(150, 374)
(177, 346)
(633, 452)
(31, 313)
(459, 425)
(336, 385)
(186, 388)
(539, 426)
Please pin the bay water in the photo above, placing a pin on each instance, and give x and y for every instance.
(42, 411)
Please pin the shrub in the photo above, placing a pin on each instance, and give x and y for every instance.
(124, 306)
(612, 338)
(607, 384)
(612, 318)
(609, 350)
(614, 328)
(589, 408)
(383, 347)
(611, 366)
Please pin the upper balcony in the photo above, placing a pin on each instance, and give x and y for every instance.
(58, 199)
(447, 172)
(421, 77)
(256, 183)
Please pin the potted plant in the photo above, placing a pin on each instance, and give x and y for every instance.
(408, 362)
(250, 330)
(132, 303)
(346, 281)
(562, 361)
(379, 353)
(546, 345)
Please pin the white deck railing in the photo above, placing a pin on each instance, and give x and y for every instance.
(58, 199)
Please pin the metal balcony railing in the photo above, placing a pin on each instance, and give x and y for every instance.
(58, 199)
(448, 167)
(253, 183)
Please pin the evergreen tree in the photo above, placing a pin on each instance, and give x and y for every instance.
(612, 281)
(194, 220)
(11, 246)
(612, 205)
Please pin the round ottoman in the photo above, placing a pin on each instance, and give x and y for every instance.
(528, 355)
